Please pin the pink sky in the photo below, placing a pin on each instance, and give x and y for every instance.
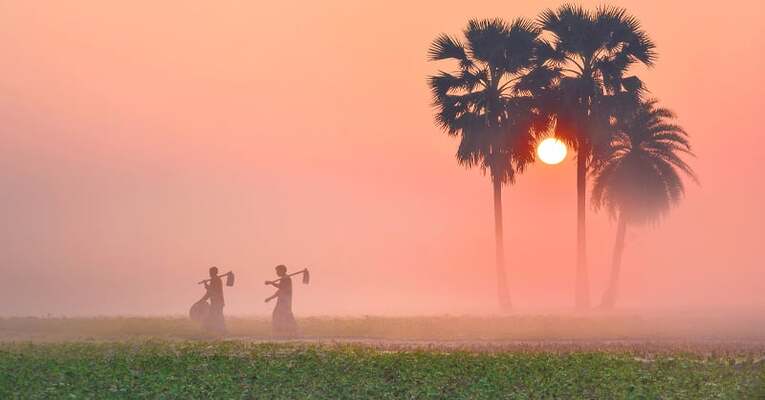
(143, 142)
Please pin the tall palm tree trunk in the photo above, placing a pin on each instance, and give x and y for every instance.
(609, 297)
(503, 294)
(582, 278)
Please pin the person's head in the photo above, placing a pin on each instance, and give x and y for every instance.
(213, 272)
(281, 270)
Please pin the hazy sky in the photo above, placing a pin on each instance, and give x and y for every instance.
(142, 142)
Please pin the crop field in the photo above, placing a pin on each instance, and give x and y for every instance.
(236, 370)
(548, 357)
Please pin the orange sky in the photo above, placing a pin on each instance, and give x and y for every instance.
(144, 141)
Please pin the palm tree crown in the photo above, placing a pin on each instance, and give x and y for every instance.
(639, 178)
(488, 102)
(591, 52)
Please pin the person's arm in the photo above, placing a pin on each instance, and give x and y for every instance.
(273, 283)
(275, 295)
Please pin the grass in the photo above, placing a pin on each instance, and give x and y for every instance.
(512, 357)
(159, 369)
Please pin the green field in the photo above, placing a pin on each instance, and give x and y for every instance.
(513, 357)
(237, 370)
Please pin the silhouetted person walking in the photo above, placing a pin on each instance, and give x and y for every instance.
(282, 320)
(215, 321)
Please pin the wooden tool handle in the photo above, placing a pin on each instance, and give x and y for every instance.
(294, 273)
(208, 280)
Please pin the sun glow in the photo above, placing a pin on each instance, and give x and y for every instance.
(551, 151)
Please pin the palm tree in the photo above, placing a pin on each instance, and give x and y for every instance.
(591, 52)
(487, 102)
(638, 179)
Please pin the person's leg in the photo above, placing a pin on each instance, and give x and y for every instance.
(220, 321)
(292, 326)
(278, 321)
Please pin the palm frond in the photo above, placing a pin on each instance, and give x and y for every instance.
(446, 47)
(487, 101)
(638, 174)
(623, 31)
(485, 40)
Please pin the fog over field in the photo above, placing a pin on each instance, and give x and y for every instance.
(143, 142)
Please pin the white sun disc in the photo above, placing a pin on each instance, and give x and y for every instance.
(551, 151)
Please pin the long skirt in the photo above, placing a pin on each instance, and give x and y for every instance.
(215, 322)
(282, 320)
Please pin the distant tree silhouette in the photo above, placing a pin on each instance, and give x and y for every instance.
(590, 53)
(638, 177)
(488, 103)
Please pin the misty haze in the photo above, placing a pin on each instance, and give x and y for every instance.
(395, 180)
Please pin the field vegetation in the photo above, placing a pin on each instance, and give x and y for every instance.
(236, 369)
(516, 357)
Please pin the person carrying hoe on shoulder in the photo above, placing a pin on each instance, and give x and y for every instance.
(282, 320)
(215, 321)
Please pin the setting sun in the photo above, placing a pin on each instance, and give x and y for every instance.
(551, 151)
